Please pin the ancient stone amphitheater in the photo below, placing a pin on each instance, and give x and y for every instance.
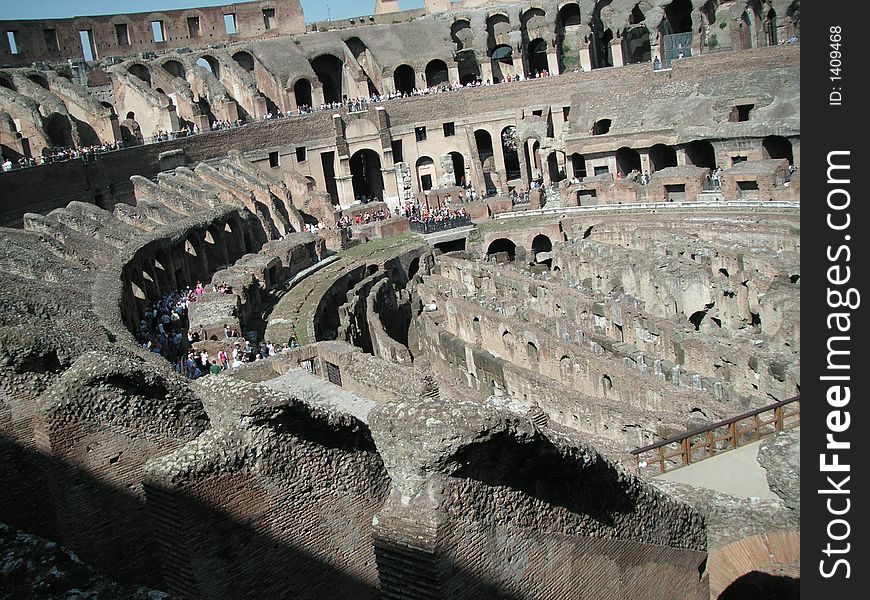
(493, 403)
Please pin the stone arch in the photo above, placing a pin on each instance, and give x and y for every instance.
(502, 250)
(536, 55)
(437, 73)
(776, 146)
(502, 60)
(498, 28)
(7, 83)
(769, 23)
(175, 68)
(627, 160)
(578, 164)
(469, 68)
(677, 17)
(245, 60)
(509, 150)
(532, 351)
(302, 93)
(483, 142)
(405, 79)
(599, 39)
(554, 168)
(426, 176)
(366, 175)
(458, 167)
(461, 34)
(330, 71)
(39, 79)
(662, 157)
(58, 129)
(140, 71)
(569, 15)
(210, 64)
(757, 553)
(542, 244)
(636, 45)
(701, 154)
(601, 127)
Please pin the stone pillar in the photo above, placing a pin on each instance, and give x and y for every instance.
(585, 58)
(345, 190)
(453, 73)
(616, 52)
(391, 187)
(682, 158)
(317, 94)
(260, 108)
(486, 69)
(553, 62)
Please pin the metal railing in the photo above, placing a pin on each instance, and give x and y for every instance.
(695, 446)
(651, 206)
(426, 227)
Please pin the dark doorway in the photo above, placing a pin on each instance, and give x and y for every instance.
(302, 93)
(329, 70)
(701, 154)
(627, 160)
(405, 79)
(662, 157)
(368, 180)
(537, 56)
(776, 146)
(436, 73)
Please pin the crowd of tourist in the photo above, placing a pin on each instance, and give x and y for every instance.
(352, 105)
(418, 214)
(165, 329)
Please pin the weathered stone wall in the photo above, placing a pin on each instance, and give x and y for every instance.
(280, 505)
(34, 46)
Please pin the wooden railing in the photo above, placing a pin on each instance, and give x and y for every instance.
(694, 446)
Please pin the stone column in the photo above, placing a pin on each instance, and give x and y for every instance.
(585, 58)
(391, 187)
(486, 69)
(682, 158)
(553, 62)
(616, 52)
(453, 73)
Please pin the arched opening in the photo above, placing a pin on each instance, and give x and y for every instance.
(426, 177)
(404, 79)
(762, 586)
(599, 39)
(483, 141)
(413, 267)
(744, 31)
(678, 17)
(578, 164)
(701, 154)
(461, 34)
(502, 250)
(367, 178)
(770, 27)
(436, 73)
(469, 68)
(601, 127)
(7, 83)
(556, 172)
(509, 149)
(498, 28)
(502, 58)
(533, 160)
(329, 70)
(537, 56)
(175, 68)
(662, 157)
(210, 64)
(458, 168)
(302, 93)
(532, 351)
(140, 71)
(39, 80)
(636, 45)
(541, 244)
(245, 60)
(59, 130)
(606, 384)
(776, 146)
(627, 160)
(569, 15)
